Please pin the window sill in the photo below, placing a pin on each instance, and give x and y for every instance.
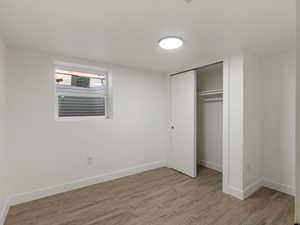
(81, 118)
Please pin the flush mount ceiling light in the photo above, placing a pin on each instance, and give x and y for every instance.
(170, 43)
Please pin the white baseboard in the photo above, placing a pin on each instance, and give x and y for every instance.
(211, 165)
(243, 194)
(45, 192)
(287, 189)
(230, 190)
(4, 212)
(252, 188)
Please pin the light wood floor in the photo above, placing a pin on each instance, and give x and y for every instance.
(158, 197)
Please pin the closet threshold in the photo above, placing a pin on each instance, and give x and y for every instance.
(211, 92)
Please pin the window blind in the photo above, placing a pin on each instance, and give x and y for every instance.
(70, 106)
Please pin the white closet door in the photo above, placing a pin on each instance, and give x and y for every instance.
(183, 110)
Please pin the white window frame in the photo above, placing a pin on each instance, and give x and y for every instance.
(84, 69)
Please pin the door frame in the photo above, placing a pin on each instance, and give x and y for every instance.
(226, 126)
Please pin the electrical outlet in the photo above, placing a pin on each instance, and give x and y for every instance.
(90, 160)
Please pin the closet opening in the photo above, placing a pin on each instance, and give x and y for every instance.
(209, 119)
(197, 121)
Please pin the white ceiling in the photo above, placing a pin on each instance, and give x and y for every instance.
(126, 31)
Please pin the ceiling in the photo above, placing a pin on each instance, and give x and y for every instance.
(126, 32)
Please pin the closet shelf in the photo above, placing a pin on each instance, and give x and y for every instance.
(210, 92)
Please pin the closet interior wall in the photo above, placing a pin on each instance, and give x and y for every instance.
(210, 116)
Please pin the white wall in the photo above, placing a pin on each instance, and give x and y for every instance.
(269, 122)
(297, 205)
(279, 84)
(253, 118)
(4, 187)
(233, 117)
(47, 153)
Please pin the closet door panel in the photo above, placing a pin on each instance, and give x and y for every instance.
(183, 110)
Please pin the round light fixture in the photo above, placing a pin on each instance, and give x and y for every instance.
(170, 43)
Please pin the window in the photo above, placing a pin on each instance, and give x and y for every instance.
(81, 92)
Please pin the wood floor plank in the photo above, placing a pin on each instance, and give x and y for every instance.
(157, 197)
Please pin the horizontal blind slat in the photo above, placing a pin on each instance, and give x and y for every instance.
(81, 106)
